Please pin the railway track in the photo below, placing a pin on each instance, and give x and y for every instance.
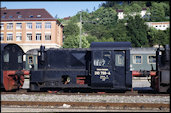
(159, 106)
(128, 93)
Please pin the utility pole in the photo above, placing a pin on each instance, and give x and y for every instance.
(80, 45)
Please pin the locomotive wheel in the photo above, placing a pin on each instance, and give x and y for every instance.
(34, 87)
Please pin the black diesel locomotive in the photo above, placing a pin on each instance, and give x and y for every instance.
(161, 81)
(105, 65)
(12, 66)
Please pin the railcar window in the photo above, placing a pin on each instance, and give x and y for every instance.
(137, 59)
(102, 58)
(151, 59)
(6, 56)
(119, 60)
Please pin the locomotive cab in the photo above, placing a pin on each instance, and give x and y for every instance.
(110, 65)
(12, 73)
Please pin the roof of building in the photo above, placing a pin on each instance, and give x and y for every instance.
(66, 18)
(119, 10)
(25, 14)
(144, 8)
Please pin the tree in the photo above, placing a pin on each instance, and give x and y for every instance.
(163, 37)
(91, 38)
(137, 30)
(120, 33)
(73, 41)
(109, 39)
(157, 12)
(156, 37)
(135, 8)
(71, 29)
(151, 36)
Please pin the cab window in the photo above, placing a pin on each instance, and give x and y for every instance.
(19, 57)
(119, 60)
(102, 58)
(6, 56)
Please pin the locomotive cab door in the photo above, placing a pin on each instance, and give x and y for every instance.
(102, 69)
(119, 69)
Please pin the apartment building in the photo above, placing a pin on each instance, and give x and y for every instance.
(142, 13)
(159, 25)
(30, 28)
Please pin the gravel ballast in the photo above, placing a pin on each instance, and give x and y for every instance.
(85, 98)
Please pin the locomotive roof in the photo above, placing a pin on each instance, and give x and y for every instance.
(2, 46)
(116, 45)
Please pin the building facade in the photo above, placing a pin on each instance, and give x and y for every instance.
(159, 25)
(121, 15)
(30, 28)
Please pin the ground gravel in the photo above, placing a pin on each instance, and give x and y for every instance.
(85, 98)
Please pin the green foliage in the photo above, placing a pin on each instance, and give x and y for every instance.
(163, 37)
(91, 38)
(73, 41)
(157, 12)
(135, 8)
(71, 29)
(151, 35)
(156, 37)
(103, 39)
(120, 33)
(102, 24)
(104, 16)
(137, 31)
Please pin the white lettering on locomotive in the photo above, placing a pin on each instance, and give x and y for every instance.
(103, 73)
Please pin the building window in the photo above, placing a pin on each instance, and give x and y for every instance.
(9, 37)
(38, 16)
(151, 59)
(47, 36)
(48, 25)
(2, 36)
(10, 26)
(38, 36)
(19, 26)
(18, 37)
(17, 12)
(19, 16)
(137, 59)
(31, 16)
(3, 16)
(2, 26)
(38, 25)
(29, 26)
(29, 36)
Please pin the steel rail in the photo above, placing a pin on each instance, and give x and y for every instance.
(131, 93)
